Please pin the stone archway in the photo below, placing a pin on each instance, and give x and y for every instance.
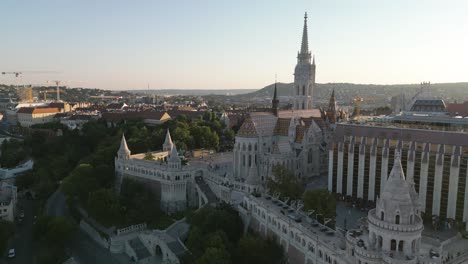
(158, 251)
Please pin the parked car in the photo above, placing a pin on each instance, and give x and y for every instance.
(11, 253)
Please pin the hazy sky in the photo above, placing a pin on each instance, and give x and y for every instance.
(231, 44)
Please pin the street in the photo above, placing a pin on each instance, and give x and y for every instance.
(23, 238)
(85, 251)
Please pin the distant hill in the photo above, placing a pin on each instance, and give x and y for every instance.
(196, 92)
(379, 93)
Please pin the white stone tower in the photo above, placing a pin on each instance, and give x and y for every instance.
(304, 74)
(395, 225)
(174, 160)
(123, 154)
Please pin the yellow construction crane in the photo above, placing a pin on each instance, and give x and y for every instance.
(357, 104)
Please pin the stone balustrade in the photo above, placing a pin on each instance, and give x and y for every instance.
(417, 226)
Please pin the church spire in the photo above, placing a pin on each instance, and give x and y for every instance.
(305, 40)
(275, 101)
(304, 55)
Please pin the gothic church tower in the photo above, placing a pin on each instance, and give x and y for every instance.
(304, 74)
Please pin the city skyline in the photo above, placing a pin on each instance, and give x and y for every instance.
(242, 45)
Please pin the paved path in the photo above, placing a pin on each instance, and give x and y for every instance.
(56, 205)
(85, 251)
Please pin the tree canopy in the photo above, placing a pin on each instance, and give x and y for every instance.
(321, 201)
(216, 237)
(285, 183)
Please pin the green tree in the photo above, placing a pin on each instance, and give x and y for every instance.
(80, 182)
(7, 229)
(104, 206)
(25, 180)
(254, 250)
(148, 156)
(321, 201)
(215, 256)
(285, 183)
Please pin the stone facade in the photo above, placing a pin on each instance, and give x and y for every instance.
(296, 139)
(165, 175)
(434, 161)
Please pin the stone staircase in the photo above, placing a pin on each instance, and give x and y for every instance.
(205, 188)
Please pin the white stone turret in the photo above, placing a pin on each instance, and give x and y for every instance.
(395, 225)
(173, 160)
(124, 152)
(167, 146)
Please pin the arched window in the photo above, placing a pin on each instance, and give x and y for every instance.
(303, 90)
(393, 245)
(411, 219)
(382, 216)
(400, 245)
(397, 219)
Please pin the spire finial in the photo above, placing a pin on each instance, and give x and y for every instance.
(305, 41)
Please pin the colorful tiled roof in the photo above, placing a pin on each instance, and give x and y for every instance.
(248, 129)
(282, 126)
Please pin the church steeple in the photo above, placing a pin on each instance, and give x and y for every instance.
(304, 54)
(304, 75)
(305, 39)
(275, 101)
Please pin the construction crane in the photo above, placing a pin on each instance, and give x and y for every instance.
(57, 83)
(357, 104)
(45, 93)
(17, 74)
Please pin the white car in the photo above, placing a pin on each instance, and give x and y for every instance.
(11, 253)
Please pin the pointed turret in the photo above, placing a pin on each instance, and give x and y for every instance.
(398, 196)
(124, 152)
(174, 160)
(167, 146)
(275, 102)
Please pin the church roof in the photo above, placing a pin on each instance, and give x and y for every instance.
(258, 124)
(299, 113)
(300, 131)
(282, 126)
(247, 129)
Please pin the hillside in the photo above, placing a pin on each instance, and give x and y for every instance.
(346, 91)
